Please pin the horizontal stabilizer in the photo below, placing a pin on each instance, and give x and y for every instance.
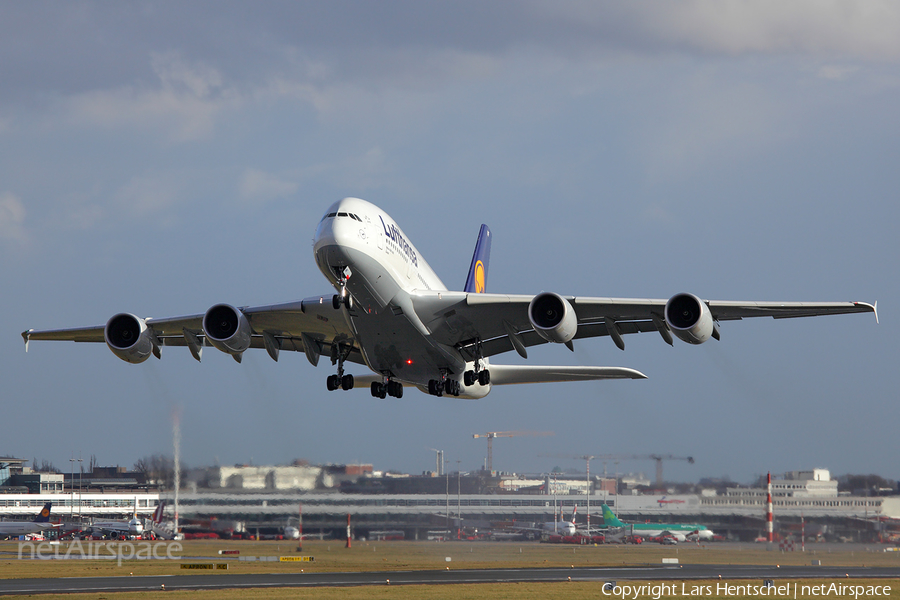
(509, 374)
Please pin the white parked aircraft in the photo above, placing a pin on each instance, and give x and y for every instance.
(393, 314)
(40, 523)
(116, 529)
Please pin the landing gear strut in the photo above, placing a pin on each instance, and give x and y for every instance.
(339, 353)
(481, 374)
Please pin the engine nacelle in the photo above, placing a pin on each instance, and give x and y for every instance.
(689, 318)
(227, 329)
(553, 318)
(128, 337)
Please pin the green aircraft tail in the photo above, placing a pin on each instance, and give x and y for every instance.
(609, 519)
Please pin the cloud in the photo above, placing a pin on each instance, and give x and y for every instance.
(12, 219)
(259, 186)
(185, 102)
(861, 30)
(147, 195)
(836, 72)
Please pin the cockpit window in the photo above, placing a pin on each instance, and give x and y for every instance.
(341, 214)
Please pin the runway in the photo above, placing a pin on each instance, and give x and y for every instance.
(222, 581)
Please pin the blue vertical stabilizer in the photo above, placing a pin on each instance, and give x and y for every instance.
(44, 515)
(477, 279)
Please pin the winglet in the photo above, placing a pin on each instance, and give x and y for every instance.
(477, 279)
(872, 307)
(26, 335)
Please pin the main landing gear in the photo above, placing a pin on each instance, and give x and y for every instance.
(390, 388)
(439, 387)
(339, 353)
(482, 377)
(480, 374)
(344, 382)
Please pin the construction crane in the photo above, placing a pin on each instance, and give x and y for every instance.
(659, 458)
(495, 434)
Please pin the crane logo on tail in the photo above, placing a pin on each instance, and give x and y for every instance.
(479, 277)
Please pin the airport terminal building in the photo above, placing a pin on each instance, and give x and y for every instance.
(258, 499)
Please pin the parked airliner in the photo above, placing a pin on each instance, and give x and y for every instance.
(680, 531)
(40, 523)
(393, 314)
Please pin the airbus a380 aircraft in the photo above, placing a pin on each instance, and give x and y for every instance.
(393, 314)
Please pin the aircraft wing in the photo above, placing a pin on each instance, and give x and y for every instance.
(310, 325)
(511, 374)
(500, 322)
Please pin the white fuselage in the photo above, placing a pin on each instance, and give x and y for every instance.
(132, 527)
(23, 527)
(559, 528)
(679, 534)
(386, 272)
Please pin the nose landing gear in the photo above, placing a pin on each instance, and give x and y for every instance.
(343, 298)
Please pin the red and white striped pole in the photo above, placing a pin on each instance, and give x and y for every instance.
(348, 530)
(769, 507)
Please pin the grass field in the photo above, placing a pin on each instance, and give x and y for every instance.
(501, 591)
(389, 556)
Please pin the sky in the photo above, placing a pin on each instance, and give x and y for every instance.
(162, 157)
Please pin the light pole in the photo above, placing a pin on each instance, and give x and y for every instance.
(447, 473)
(588, 493)
(80, 473)
(458, 500)
(72, 486)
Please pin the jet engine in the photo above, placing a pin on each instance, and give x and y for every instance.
(689, 318)
(128, 337)
(553, 318)
(227, 329)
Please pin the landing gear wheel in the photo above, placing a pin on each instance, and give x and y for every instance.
(343, 298)
(346, 382)
(469, 378)
(435, 387)
(484, 377)
(333, 382)
(378, 390)
(451, 387)
(395, 389)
